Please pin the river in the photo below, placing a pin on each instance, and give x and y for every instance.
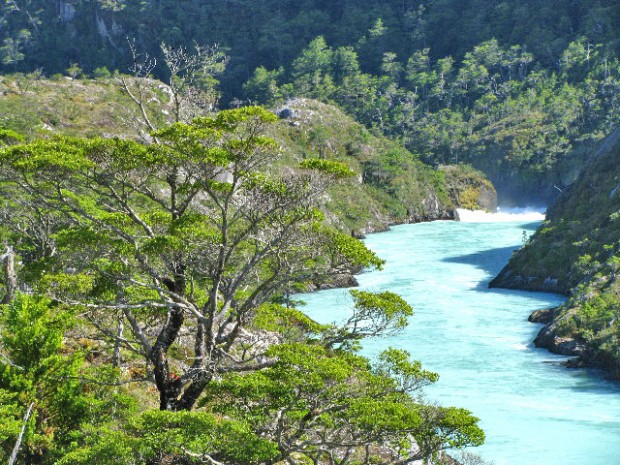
(534, 411)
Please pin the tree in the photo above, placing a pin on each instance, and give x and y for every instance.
(344, 64)
(11, 50)
(195, 242)
(321, 402)
(183, 239)
(40, 377)
(263, 86)
(191, 87)
(314, 59)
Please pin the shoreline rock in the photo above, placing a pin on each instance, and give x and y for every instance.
(507, 279)
(547, 337)
(544, 316)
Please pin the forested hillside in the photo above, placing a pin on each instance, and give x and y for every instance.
(521, 90)
(576, 251)
(42, 34)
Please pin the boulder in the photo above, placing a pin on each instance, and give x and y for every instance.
(544, 316)
(286, 113)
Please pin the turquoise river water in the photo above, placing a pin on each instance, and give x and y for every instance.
(533, 410)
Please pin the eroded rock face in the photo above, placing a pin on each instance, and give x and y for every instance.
(341, 282)
(509, 279)
(66, 11)
(487, 200)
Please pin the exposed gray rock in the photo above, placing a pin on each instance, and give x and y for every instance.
(548, 339)
(487, 200)
(608, 144)
(342, 281)
(66, 11)
(544, 316)
(508, 279)
(286, 113)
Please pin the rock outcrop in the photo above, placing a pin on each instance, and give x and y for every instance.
(544, 316)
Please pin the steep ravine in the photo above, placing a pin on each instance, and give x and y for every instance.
(577, 252)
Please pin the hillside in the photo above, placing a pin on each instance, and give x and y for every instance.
(576, 252)
(521, 92)
(391, 185)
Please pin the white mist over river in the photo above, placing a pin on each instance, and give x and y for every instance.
(533, 410)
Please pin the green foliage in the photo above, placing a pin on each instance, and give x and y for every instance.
(351, 250)
(263, 86)
(386, 305)
(8, 137)
(181, 437)
(293, 324)
(102, 73)
(409, 374)
(336, 169)
(74, 70)
(38, 369)
(311, 387)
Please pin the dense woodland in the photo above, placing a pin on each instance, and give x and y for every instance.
(522, 91)
(154, 244)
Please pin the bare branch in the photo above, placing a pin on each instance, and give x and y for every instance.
(21, 435)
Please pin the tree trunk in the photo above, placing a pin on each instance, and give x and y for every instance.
(169, 384)
(18, 443)
(10, 279)
(116, 357)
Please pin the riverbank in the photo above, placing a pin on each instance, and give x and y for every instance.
(577, 253)
(479, 342)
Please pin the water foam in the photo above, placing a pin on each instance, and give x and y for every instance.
(503, 215)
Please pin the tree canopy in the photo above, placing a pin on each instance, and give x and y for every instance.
(179, 258)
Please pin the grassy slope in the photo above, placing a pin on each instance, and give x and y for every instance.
(392, 186)
(577, 252)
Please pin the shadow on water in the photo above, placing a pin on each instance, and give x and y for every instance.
(492, 261)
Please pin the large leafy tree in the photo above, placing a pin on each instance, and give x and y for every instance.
(194, 243)
(182, 240)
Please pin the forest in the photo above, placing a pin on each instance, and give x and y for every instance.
(158, 222)
(522, 92)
